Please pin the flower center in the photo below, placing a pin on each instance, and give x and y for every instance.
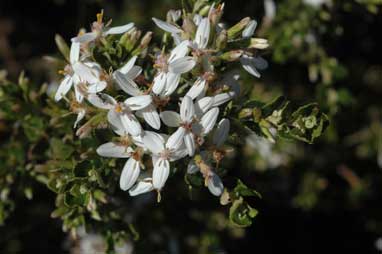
(119, 108)
(161, 63)
(165, 154)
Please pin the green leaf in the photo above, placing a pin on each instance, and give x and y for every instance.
(60, 150)
(62, 46)
(241, 214)
(242, 190)
(33, 127)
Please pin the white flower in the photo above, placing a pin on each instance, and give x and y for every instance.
(100, 30)
(188, 124)
(170, 69)
(163, 152)
(125, 79)
(84, 76)
(70, 76)
(121, 113)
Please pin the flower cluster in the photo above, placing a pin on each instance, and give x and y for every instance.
(172, 106)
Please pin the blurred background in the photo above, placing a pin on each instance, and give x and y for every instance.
(318, 198)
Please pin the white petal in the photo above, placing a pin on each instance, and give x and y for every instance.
(151, 116)
(78, 94)
(190, 143)
(178, 154)
(97, 87)
(138, 102)
(86, 37)
(209, 119)
(131, 124)
(80, 116)
(153, 142)
(221, 133)
(160, 173)
(187, 110)
(203, 105)
(197, 19)
(249, 29)
(74, 52)
(119, 29)
(249, 66)
(64, 87)
(126, 84)
(260, 63)
(129, 174)
(222, 98)
(134, 72)
(203, 33)
(166, 26)
(127, 67)
(177, 39)
(170, 118)
(192, 168)
(159, 83)
(114, 150)
(182, 65)
(142, 187)
(172, 83)
(102, 100)
(197, 88)
(215, 185)
(176, 139)
(179, 51)
(114, 119)
(86, 73)
(137, 140)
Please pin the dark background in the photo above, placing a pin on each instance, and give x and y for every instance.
(334, 225)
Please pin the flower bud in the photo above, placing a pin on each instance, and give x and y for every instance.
(232, 55)
(244, 113)
(259, 43)
(221, 40)
(237, 29)
(174, 15)
(215, 14)
(146, 39)
(189, 26)
(256, 113)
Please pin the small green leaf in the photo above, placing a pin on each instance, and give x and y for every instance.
(62, 46)
(241, 214)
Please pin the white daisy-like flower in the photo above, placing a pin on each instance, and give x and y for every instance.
(122, 113)
(85, 76)
(99, 29)
(163, 152)
(170, 68)
(189, 125)
(125, 80)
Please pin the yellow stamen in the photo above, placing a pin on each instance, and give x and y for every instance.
(100, 17)
(118, 108)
